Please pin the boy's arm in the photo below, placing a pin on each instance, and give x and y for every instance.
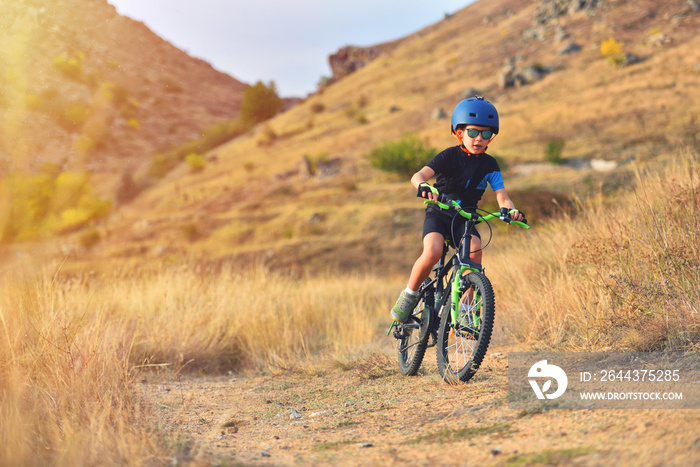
(504, 201)
(422, 176)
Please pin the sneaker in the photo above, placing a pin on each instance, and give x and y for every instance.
(404, 306)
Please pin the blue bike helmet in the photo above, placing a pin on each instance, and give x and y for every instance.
(475, 111)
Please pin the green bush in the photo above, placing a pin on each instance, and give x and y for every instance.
(161, 164)
(260, 102)
(553, 151)
(48, 203)
(403, 157)
(212, 137)
(195, 161)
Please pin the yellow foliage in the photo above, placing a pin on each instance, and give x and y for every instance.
(195, 161)
(33, 101)
(45, 204)
(77, 114)
(84, 144)
(107, 91)
(71, 67)
(612, 50)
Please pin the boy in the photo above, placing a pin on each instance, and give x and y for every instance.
(463, 172)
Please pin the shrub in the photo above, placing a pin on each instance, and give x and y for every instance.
(212, 137)
(84, 144)
(89, 238)
(347, 185)
(190, 231)
(267, 136)
(33, 102)
(317, 107)
(403, 157)
(553, 151)
(612, 51)
(48, 203)
(312, 162)
(195, 161)
(76, 115)
(160, 165)
(71, 67)
(260, 102)
(323, 82)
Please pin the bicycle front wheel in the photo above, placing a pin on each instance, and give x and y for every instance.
(462, 345)
(412, 336)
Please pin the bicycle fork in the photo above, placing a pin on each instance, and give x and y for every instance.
(459, 286)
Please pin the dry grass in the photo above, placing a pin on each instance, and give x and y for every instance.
(66, 394)
(73, 345)
(617, 275)
(620, 275)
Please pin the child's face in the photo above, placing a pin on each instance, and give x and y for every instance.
(475, 145)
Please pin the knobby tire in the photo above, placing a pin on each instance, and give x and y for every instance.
(461, 350)
(411, 347)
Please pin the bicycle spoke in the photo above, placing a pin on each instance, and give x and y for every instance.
(412, 336)
(464, 342)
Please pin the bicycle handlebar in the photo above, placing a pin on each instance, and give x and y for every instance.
(443, 202)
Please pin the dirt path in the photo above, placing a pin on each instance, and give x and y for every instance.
(371, 415)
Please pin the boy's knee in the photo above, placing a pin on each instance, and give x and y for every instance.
(432, 254)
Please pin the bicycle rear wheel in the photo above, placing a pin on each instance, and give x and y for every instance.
(463, 345)
(412, 336)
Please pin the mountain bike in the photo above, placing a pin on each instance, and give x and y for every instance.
(456, 314)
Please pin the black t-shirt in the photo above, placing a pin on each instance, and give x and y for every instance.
(464, 177)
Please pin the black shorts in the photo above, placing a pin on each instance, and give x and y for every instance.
(448, 224)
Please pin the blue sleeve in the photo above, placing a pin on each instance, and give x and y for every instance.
(495, 179)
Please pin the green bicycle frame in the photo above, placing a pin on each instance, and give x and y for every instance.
(459, 272)
(456, 283)
(456, 290)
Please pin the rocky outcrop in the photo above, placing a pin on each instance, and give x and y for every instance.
(550, 10)
(514, 75)
(351, 58)
(548, 13)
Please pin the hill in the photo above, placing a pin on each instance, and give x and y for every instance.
(300, 184)
(85, 87)
(270, 269)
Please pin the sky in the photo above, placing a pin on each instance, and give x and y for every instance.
(284, 41)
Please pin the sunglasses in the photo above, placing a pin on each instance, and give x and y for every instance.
(473, 133)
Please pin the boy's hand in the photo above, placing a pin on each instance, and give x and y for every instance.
(427, 191)
(517, 216)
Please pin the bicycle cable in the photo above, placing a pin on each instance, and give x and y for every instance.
(452, 230)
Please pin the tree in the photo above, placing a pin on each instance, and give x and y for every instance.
(260, 102)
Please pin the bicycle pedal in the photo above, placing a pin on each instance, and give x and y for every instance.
(393, 325)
